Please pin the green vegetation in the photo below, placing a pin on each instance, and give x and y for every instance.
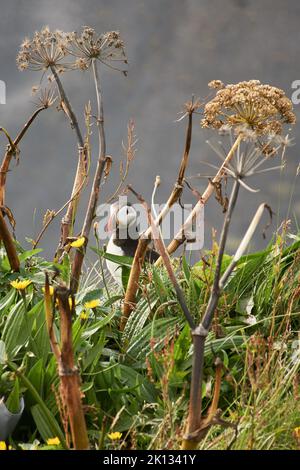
(181, 356)
(136, 383)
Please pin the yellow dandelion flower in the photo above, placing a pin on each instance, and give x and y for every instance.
(78, 243)
(3, 445)
(71, 303)
(51, 290)
(92, 303)
(54, 441)
(20, 285)
(83, 315)
(115, 436)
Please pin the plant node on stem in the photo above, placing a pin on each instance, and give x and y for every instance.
(68, 373)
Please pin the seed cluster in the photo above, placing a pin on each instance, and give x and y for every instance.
(46, 48)
(264, 109)
(88, 45)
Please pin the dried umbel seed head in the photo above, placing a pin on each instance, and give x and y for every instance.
(46, 48)
(263, 109)
(87, 46)
(45, 98)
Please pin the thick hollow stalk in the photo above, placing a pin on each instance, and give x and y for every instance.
(200, 333)
(94, 196)
(9, 245)
(215, 293)
(180, 237)
(68, 220)
(161, 249)
(69, 377)
(132, 286)
(195, 404)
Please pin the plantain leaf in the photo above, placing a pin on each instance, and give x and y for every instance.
(13, 401)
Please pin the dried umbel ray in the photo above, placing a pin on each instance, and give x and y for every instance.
(47, 48)
(108, 48)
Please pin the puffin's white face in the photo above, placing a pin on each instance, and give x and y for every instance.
(123, 217)
(126, 216)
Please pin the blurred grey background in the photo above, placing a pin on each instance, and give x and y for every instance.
(174, 47)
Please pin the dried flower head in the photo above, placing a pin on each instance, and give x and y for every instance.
(263, 109)
(216, 84)
(46, 48)
(46, 99)
(87, 46)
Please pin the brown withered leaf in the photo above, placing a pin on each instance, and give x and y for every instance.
(222, 200)
(8, 213)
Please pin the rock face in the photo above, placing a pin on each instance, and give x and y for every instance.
(174, 48)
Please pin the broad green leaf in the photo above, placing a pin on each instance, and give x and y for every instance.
(3, 356)
(28, 254)
(7, 301)
(47, 421)
(13, 401)
(36, 378)
(121, 260)
(186, 268)
(47, 428)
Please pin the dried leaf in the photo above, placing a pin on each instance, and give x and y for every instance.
(49, 215)
(108, 165)
(6, 211)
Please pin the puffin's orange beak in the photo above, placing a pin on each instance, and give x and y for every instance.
(109, 226)
(111, 219)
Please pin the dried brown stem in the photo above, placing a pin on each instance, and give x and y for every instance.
(82, 164)
(68, 373)
(129, 151)
(191, 441)
(9, 245)
(52, 217)
(217, 390)
(132, 286)
(11, 151)
(49, 320)
(195, 425)
(94, 196)
(68, 220)
(161, 249)
(180, 237)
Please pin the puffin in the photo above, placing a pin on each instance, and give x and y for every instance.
(124, 237)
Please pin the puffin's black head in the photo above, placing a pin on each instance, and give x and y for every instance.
(122, 217)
